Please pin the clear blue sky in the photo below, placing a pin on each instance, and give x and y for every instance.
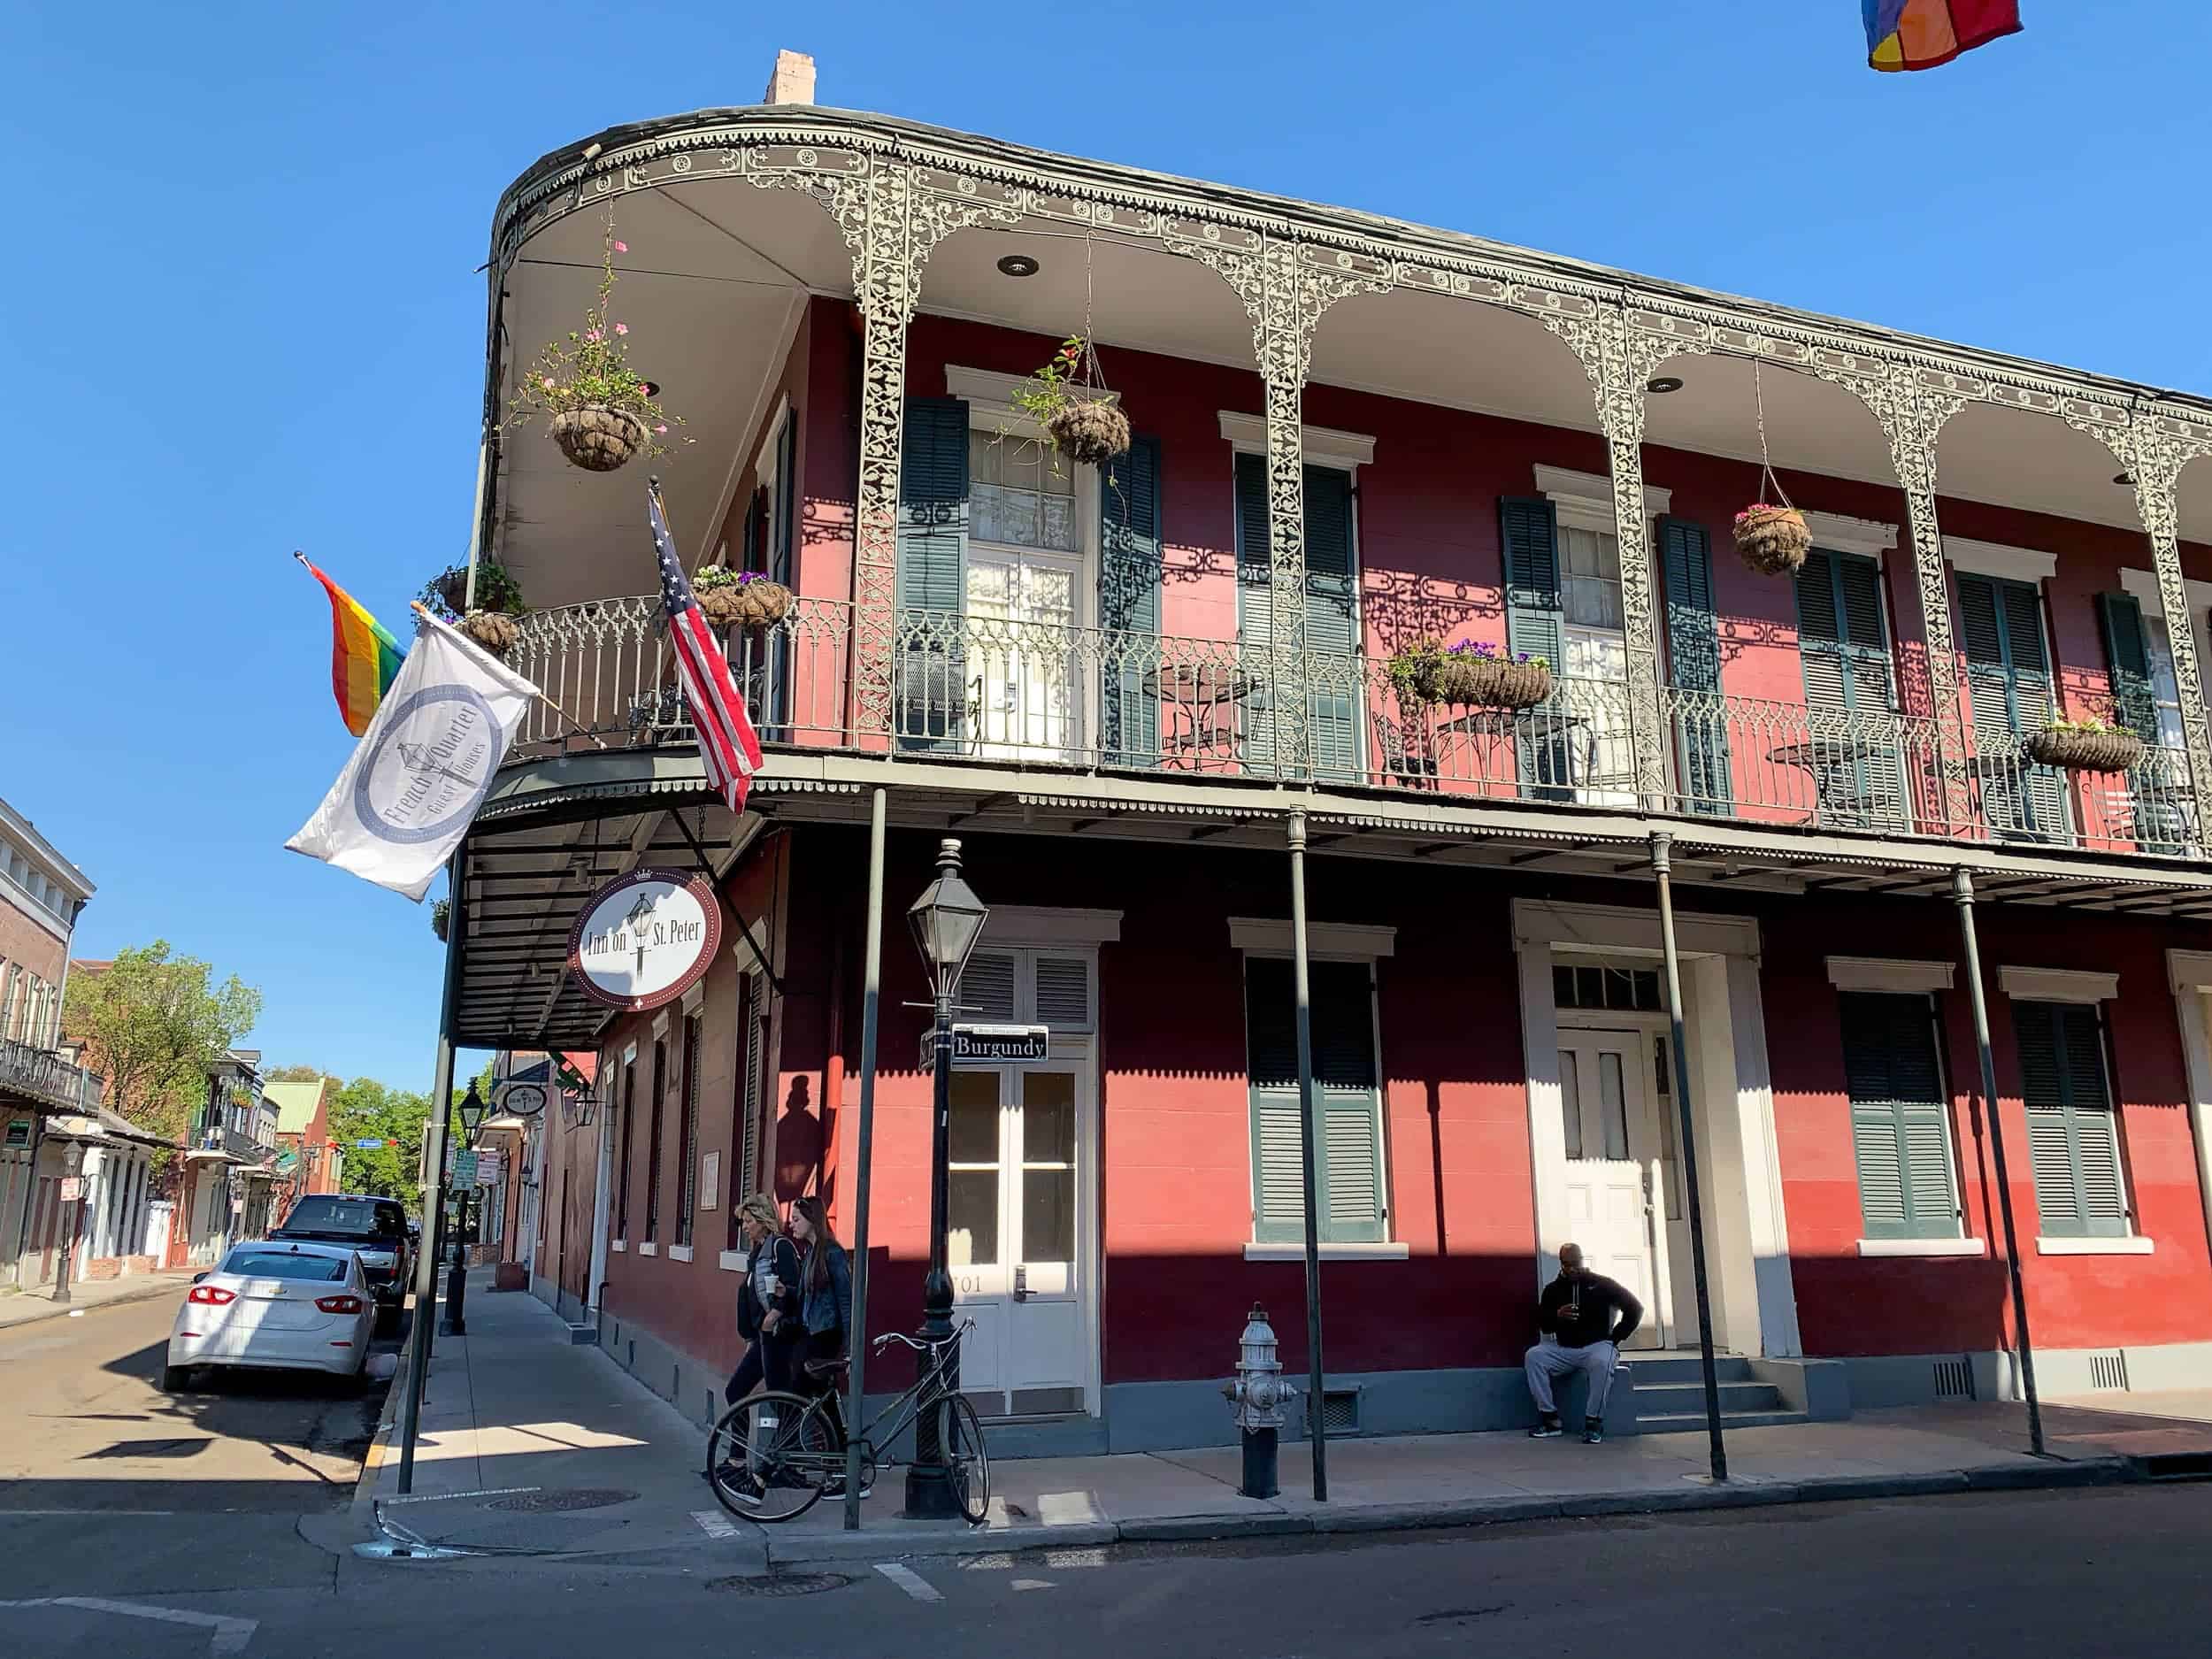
(244, 319)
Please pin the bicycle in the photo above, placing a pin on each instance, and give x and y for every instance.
(772, 1456)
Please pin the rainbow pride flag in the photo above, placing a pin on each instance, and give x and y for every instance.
(363, 658)
(1923, 34)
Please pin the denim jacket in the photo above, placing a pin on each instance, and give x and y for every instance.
(830, 1307)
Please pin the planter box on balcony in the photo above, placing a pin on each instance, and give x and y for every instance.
(2084, 751)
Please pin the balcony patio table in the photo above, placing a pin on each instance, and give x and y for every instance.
(1204, 694)
(1836, 766)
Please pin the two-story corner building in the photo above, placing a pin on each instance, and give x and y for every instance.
(228, 1191)
(41, 894)
(1133, 691)
(308, 1160)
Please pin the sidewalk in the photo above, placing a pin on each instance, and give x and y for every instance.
(532, 1445)
(27, 1307)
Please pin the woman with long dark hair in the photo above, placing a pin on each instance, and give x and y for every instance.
(826, 1281)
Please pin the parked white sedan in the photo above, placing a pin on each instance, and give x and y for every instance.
(275, 1306)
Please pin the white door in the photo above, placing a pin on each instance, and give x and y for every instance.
(1613, 1164)
(1601, 754)
(1016, 1136)
(1021, 654)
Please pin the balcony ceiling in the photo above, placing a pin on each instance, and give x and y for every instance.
(718, 266)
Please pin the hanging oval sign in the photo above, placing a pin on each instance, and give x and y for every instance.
(645, 939)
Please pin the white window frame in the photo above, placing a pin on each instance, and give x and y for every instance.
(1326, 941)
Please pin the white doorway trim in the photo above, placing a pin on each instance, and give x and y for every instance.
(2190, 974)
(1755, 1303)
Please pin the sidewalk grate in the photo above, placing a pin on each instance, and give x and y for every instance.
(783, 1584)
(560, 1502)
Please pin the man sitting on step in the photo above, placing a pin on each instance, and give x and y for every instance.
(1584, 1317)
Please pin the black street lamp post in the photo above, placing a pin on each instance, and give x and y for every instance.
(946, 920)
(473, 1111)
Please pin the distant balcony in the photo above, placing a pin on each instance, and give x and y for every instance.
(1032, 695)
(45, 1077)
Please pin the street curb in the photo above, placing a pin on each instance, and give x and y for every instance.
(380, 1450)
(144, 1293)
(1395, 1517)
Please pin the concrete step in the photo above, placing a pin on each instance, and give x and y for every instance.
(1662, 1400)
(1674, 1369)
(1694, 1423)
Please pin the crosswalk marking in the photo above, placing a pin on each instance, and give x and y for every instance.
(714, 1525)
(227, 1635)
(909, 1580)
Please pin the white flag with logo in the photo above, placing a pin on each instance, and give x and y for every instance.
(423, 767)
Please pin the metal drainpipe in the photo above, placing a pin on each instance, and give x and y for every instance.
(1661, 868)
(1301, 992)
(871, 1001)
(1963, 895)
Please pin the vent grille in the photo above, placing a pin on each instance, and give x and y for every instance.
(987, 987)
(1063, 992)
(1954, 1379)
(2108, 1370)
(1340, 1410)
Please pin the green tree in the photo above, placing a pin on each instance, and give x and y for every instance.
(152, 1023)
(368, 1110)
(294, 1074)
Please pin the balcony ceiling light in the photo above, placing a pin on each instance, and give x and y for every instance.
(1018, 265)
(1661, 384)
(2126, 479)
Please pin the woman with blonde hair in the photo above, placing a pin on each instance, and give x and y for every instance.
(768, 1301)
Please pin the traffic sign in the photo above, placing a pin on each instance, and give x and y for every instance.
(464, 1168)
(368, 1143)
(72, 1188)
(990, 1045)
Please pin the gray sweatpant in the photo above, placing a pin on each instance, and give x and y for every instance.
(1548, 1360)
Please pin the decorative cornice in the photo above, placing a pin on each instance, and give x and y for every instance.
(1322, 446)
(1584, 500)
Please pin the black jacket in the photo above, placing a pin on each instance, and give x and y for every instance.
(749, 1311)
(1607, 1312)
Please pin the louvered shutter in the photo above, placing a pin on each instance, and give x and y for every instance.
(1129, 580)
(1349, 1172)
(2073, 1139)
(1256, 615)
(932, 572)
(2161, 824)
(1528, 533)
(2008, 680)
(987, 987)
(1899, 1121)
(1331, 626)
(1063, 992)
(1843, 644)
(1686, 557)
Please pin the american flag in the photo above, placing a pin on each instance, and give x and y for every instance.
(727, 742)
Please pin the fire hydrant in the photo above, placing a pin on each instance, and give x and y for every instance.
(1257, 1399)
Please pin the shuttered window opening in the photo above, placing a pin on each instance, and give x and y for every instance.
(1049, 988)
(2008, 682)
(1899, 1117)
(2073, 1136)
(1701, 726)
(1850, 691)
(1335, 697)
(1528, 538)
(1063, 992)
(1351, 1200)
(693, 1026)
(987, 987)
(2158, 791)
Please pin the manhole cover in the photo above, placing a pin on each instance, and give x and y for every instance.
(783, 1584)
(559, 1503)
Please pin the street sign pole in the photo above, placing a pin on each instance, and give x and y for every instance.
(434, 1179)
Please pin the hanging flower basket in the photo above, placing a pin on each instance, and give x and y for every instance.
(741, 599)
(440, 916)
(1475, 674)
(495, 630)
(2084, 746)
(598, 438)
(1088, 429)
(1773, 540)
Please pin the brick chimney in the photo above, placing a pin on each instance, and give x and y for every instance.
(791, 81)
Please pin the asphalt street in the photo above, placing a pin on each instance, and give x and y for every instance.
(133, 1523)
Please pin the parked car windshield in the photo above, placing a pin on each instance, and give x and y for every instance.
(367, 1217)
(267, 1264)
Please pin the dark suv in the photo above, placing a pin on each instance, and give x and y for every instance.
(376, 1228)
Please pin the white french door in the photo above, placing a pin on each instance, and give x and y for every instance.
(1019, 1136)
(1021, 655)
(1617, 1168)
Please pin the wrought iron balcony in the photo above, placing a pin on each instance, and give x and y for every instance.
(1038, 695)
(45, 1077)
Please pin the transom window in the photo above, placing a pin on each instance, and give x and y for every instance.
(1625, 990)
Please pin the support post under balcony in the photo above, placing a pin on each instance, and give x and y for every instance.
(2156, 470)
(1913, 418)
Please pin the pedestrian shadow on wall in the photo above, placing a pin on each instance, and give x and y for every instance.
(799, 1144)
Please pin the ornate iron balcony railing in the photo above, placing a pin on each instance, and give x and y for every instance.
(42, 1075)
(1042, 694)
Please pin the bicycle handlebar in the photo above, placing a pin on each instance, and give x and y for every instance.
(916, 1343)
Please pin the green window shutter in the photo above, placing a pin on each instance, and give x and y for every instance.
(1332, 625)
(2073, 1139)
(2161, 824)
(1129, 605)
(1900, 1120)
(1686, 558)
(1843, 648)
(2008, 682)
(1528, 534)
(783, 532)
(932, 572)
(1256, 615)
(1348, 1141)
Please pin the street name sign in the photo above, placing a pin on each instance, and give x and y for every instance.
(990, 1045)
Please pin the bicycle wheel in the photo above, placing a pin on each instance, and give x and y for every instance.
(769, 1456)
(969, 1466)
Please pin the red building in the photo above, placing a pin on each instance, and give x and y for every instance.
(1131, 689)
(308, 1160)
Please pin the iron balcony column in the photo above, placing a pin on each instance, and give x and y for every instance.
(1301, 996)
(871, 998)
(442, 1109)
